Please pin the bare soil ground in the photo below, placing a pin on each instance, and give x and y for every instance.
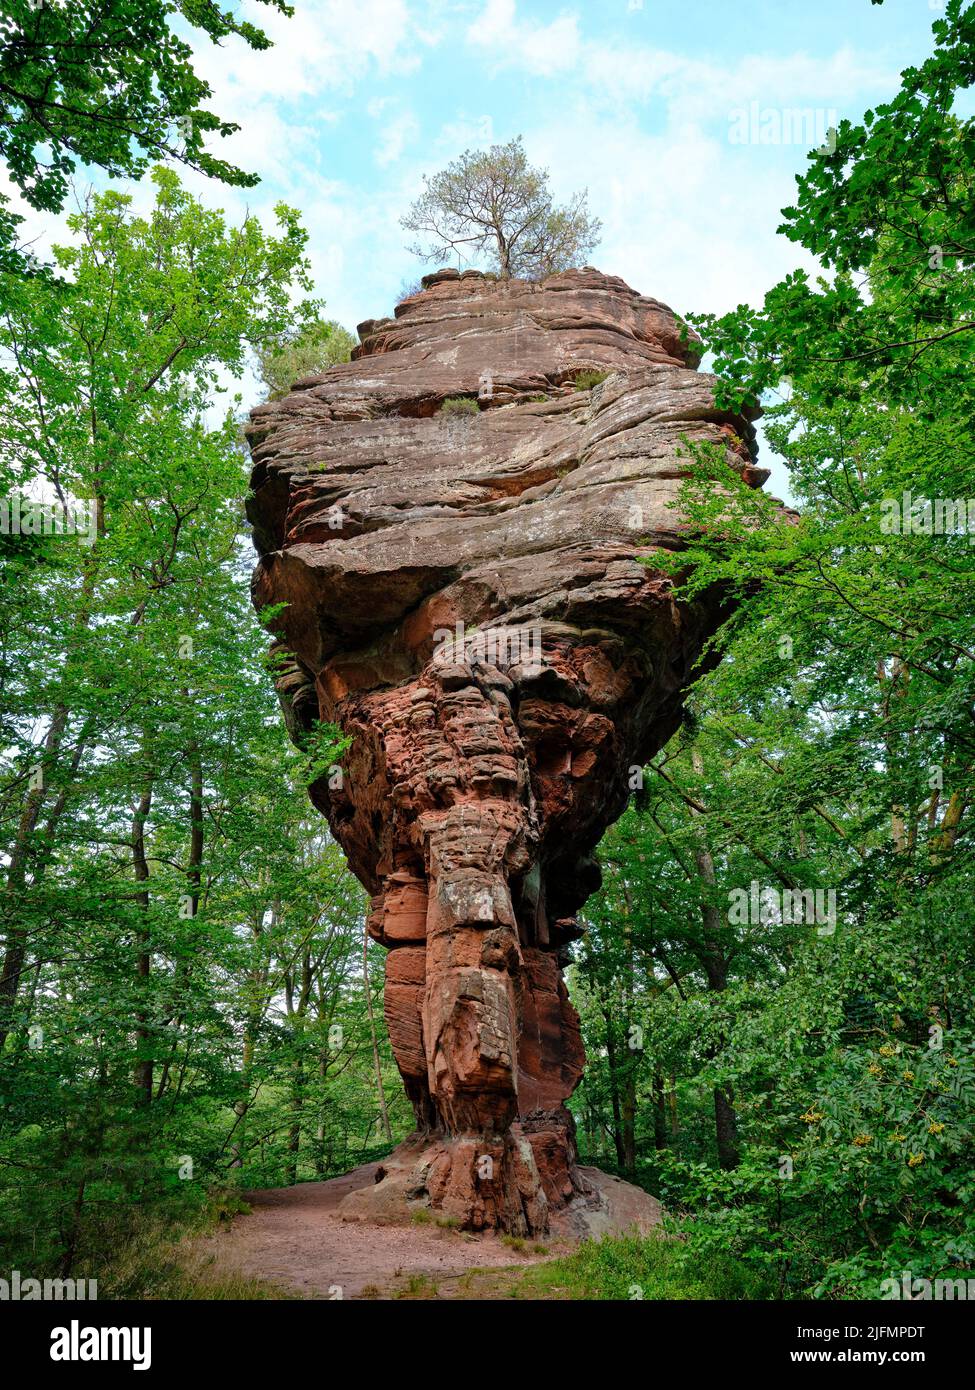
(294, 1240)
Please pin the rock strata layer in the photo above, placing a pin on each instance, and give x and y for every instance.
(464, 596)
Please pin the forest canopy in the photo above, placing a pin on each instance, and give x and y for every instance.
(190, 1004)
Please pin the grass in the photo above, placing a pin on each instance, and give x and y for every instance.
(523, 1246)
(617, 1268)
(149, 1255)
(417, 1286)
(423, 1216)
(157, 1264)
(460, 405)
(585, 381)
(637, 1267)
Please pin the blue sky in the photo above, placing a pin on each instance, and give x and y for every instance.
(360, 98)
(642, 103)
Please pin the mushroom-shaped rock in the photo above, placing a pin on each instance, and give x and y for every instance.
(466, 593)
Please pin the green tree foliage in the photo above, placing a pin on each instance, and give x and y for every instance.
(887, 209)
(305, 351)
(182, 998)
(108, 83)
(831, 750)
(776, 984)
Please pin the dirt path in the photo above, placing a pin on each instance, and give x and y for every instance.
(293, 1238)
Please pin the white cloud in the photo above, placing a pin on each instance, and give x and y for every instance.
(541, 49)
(689, 88)
(326, 44)
(396, 135)
(696, 88)
(688, 216)
(466, 132)
(280, 97)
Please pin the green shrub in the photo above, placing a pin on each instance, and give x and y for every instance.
(644, 1267)
(878, 1137)
(417, 1286)
(460, 405)
(585, 381)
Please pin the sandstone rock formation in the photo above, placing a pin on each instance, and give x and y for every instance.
(464, 597)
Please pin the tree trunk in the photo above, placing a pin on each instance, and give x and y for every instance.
(16, 886)
(383, 1112)
(614, 1091)
(628, 1117)
(659, 1114)
(297, 1109)
(143, 1034)
(194, 870)
(716, 970)
(725, 1129)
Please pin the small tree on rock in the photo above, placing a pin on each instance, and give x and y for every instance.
(493, 205)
